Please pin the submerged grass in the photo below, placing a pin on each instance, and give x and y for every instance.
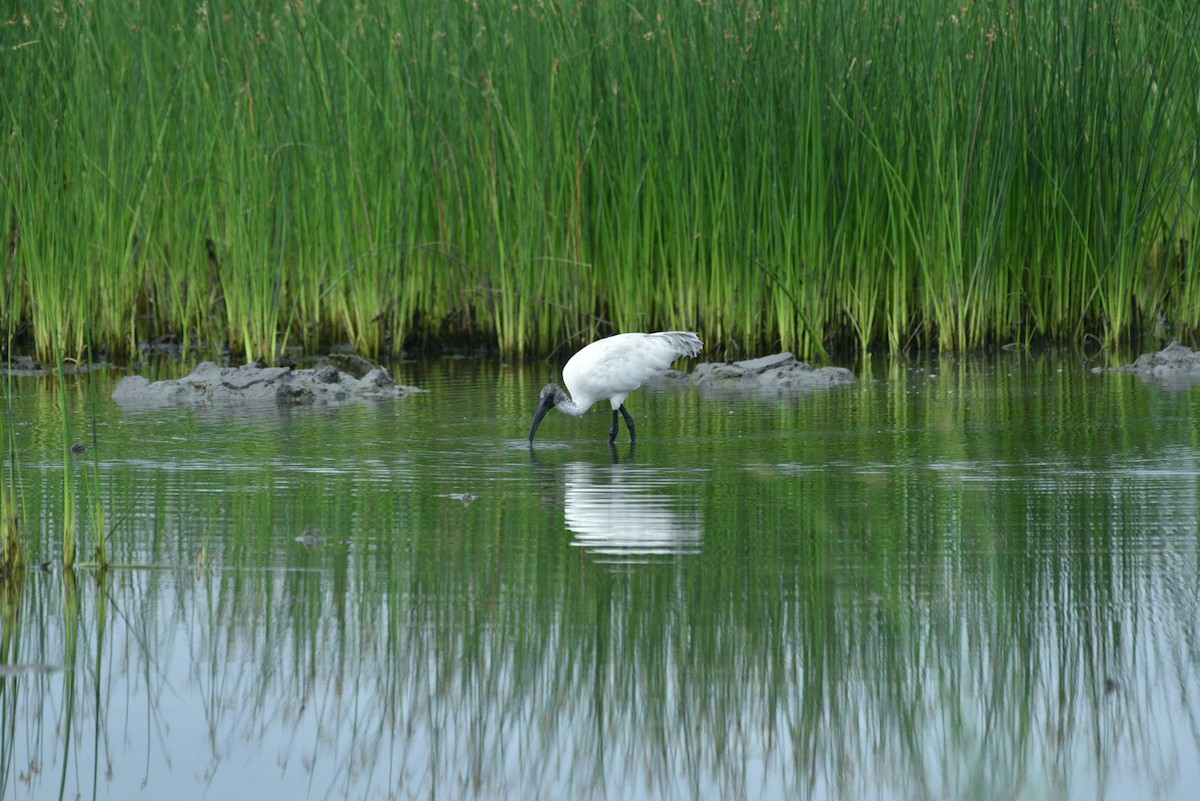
(70, 509)
(802, 175)
(947, 614)
(12, 551)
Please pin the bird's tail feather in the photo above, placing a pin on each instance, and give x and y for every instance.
(684, 343)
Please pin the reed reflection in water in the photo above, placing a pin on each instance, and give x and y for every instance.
(985, 585)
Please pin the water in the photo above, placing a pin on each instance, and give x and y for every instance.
(970, 578)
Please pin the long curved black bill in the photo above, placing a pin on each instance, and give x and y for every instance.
(546, 405)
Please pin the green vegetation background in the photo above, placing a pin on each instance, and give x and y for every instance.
(801, 175)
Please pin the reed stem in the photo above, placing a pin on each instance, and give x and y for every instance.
(807, 175)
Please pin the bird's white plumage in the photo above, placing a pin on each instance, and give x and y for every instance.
(609, 369)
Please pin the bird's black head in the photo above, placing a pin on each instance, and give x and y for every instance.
(551, 395)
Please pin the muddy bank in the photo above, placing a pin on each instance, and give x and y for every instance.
(211, 384)
(28, 367)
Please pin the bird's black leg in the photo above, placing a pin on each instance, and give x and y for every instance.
(612, 432)
(628, 421)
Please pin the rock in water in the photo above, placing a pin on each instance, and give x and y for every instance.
(781, 372)
(1173, 364)
(210, 384)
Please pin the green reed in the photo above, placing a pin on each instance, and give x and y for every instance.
(12, 555)
(82, 497)
(11, 642)
(69, 526)
(12, 552)
(804, 175)
(93, 487)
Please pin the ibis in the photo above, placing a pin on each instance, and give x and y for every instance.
(609, 369)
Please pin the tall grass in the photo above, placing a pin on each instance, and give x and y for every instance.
(802, 175)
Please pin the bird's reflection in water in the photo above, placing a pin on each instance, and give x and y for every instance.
(628, 511)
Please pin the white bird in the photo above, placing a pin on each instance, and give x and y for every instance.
(609, 369)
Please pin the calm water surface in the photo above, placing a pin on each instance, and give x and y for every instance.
(956, 579)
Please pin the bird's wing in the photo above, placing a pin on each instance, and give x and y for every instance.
(619, 364)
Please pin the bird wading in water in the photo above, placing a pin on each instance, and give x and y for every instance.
(609, 369)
